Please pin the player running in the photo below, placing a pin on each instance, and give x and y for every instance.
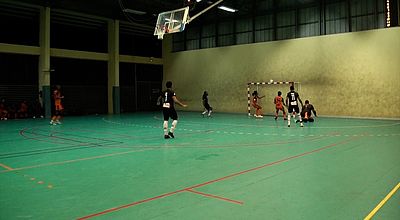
(208, 108)
(255, 104)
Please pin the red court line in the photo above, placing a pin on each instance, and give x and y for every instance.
(214, 196)
(6, 167)
(213, 181)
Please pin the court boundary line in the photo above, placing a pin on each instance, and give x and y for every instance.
(384, 200)
(214, 180)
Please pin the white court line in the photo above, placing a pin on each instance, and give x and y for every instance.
(274, 134)
(249, 125)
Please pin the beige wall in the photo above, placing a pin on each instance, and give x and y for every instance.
(351, 74)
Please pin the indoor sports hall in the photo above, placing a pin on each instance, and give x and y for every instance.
(88, 130)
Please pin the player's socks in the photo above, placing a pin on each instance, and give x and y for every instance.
(301, 122)
(173, 126)
(165, 127)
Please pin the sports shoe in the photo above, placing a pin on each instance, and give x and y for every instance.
(166, 136)
(170, 134)
(301, 124)
(276, 118)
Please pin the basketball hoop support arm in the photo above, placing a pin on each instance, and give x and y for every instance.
(205, 10)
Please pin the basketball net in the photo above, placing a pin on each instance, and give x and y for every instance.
(161, 30)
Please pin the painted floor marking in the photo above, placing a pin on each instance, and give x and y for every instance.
(216, 197)
(387, 197)
(272, 134)
(252, 125)
(213, 181)
(6, 167)
(73, 161)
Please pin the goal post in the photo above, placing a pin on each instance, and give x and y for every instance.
(296, 84)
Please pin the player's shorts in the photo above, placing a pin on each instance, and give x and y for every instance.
(279, 108)
(293, 108)
(170, 113)
(59, 107)
(207, 106)
(257, 106)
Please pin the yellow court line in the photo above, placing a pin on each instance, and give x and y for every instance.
(376, 209)
(6, 167)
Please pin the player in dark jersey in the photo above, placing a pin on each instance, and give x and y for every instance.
(169, 98)
(306, 112)
(292, 99)
(208, 108)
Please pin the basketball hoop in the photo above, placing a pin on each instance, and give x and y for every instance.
(161, 30)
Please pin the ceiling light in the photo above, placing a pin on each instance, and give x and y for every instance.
(134, 11)
(227, 8)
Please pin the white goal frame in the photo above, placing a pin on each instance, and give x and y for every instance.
(265, 83)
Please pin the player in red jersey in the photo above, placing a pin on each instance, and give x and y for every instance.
(278, 101)
(255, 104)
(58, 107)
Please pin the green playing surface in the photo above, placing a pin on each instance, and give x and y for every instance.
(229, 166)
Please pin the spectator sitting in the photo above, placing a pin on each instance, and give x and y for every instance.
(3, 111)
(23, 110)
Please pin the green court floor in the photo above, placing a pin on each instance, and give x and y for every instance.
(229, 166)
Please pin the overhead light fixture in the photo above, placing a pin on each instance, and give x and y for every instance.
(198, 0)
(134, 11)
(227, 8)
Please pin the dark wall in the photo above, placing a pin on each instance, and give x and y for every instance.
(19, 78)
(78, 38)
(19, 30)
(140, 86)
(140, 46)
(84, 85)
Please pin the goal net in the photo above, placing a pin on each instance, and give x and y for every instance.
(265, 89)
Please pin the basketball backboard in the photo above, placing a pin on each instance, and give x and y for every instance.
(171, 22)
